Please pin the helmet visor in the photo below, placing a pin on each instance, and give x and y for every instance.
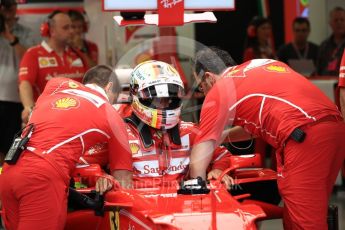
(166, 103)
(162, 90)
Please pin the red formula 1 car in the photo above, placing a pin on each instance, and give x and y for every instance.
(194, 204)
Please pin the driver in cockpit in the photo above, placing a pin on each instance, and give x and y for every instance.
(160, 142)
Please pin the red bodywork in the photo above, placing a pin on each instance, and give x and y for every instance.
(162, 208)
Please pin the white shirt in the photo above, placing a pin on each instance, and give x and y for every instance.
(9, 63)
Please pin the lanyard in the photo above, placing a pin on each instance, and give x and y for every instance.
(305, 53)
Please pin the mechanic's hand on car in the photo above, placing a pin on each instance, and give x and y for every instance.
(214, 174)
(103, 185)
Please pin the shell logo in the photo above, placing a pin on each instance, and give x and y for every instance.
(276, 68)
(66, 103)
(44, 62)
(232, 72)
(73, 85)
(134, 148)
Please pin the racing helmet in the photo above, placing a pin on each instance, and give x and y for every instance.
(156, 89)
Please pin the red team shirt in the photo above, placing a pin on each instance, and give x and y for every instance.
(61, 136)
(68, 118)
(92, 50)
(342, 72)
(155, 165)
(40, 64)
(264, 97)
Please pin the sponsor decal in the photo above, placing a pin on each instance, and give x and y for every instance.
(276, 68)
(172, 72)
(232, 72)
(138, 151)
(72, 85)
(155, 82)
(151, 168)
(66, 103)
(169, 3)
(172, 169)
(185, 143)
(167, 195)
(45, 62)
(136, 171)
(99, 147)
(134, 148)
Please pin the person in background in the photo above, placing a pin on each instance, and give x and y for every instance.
(68, 117)
(79, 42)
(52, 58)
(14, 40)
(331, 49)
(258, 41)
(300, 54)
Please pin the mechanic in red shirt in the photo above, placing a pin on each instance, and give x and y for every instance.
(52, 58)
(265, 98)
(341, 85)
(68, 118)
(160, 142)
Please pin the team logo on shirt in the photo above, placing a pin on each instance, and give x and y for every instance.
(234, 72)
(276, 68)
(45, 62)
(66, 103)
(72, 85)
(137, 152)
(99, 147)
(134, 148)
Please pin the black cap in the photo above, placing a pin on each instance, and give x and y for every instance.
(8, 3)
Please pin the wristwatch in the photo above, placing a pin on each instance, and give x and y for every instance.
(15, 41)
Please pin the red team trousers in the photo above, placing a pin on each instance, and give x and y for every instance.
(34, 192)
(307, 172)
